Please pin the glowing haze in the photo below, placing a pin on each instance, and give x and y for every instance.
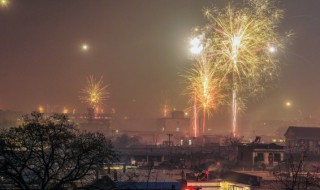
(140, 48)
(240, 42)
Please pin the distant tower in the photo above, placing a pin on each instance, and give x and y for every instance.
(90, 114)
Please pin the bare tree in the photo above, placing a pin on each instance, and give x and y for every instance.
(49, 153)
(231, 146)
(294, 174)
(125, 141)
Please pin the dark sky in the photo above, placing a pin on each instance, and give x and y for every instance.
(140, 47)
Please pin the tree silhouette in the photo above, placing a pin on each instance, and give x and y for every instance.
(47, 152)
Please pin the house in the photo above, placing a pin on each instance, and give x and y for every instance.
(303, 139)
(260, 155)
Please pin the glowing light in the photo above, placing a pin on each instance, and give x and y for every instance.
(234, 112)
(4, 3)
(203, 90)
(94, 93)
(84, 47)
(195, 117)
(165, 110)
(65, 111)
(288, 104)
(237, 44)
(40, 109)
(272, 49)
(196, 46)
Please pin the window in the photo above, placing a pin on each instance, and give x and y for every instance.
(234, 187)
(259, 157)
(277, 157)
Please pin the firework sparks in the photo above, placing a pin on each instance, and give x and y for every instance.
(4, 3)
(165, 110)
(94, 93)
(238, 45)
(203, 90)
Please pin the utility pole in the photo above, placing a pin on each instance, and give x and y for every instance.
(170, 135)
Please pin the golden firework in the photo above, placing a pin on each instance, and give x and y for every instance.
(203, 88)
(4, 3)
(241, 43)
(94, 93)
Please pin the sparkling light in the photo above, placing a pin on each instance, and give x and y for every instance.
(272, 49)
(203, 90)
(165, 110)
(237, 44)
(94, 93)
(196, 46)
(4, 3)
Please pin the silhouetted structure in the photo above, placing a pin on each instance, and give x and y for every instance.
(177, 124)
(303, 138)
(260, 155)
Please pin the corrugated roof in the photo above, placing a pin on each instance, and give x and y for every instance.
(303, 132)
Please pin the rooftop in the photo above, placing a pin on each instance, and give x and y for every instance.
(303, 132)
(261, 146)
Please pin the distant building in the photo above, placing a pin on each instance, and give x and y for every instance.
(177, 124)
(303, 138)
(94, 122)
(10, 118)
(260, 155)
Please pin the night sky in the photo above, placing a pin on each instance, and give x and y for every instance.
(140, 47)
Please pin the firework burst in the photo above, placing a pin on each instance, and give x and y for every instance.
(4, 3)
(240, 44)
(203, 89)
(94, 93)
